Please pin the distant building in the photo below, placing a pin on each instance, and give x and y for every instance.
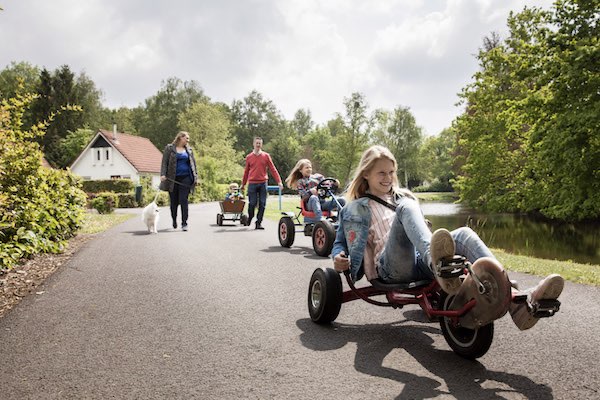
(116, 155)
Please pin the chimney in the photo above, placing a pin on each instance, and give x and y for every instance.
(114, 131)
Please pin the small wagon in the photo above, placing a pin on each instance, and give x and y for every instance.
(232, 210)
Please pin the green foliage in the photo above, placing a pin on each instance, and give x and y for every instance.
(254, 116)
(105, 202)
(210, 133)
(160, 123)
(126, 200)
(40, 208)
(209, 188)
(528, 140)
(436, 162)
(350, 137)
(72, 145)
(398, 131)
(285, 150)
(108, 185)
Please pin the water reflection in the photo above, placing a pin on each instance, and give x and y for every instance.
(521, 234)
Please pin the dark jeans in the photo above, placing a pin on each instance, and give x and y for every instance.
(257, 193)
(178, 196)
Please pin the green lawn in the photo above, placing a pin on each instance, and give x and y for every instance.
(580, 273)
(95, 223)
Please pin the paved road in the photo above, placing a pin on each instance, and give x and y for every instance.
(220, 313)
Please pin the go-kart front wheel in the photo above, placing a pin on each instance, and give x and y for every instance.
(286, 232)
(244, 220)
(467, 343)
(220, 219)
(323, 236)
(324, 295)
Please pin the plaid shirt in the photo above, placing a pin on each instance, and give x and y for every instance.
(306, 184)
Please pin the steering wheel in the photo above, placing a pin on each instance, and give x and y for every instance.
(327, 187)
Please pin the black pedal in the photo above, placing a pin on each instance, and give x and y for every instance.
(452, 267)
(545, 308)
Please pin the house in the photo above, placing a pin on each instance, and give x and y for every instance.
(114, 155)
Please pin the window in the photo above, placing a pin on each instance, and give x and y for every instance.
(98, 155)
(115, 177)
(107, 154)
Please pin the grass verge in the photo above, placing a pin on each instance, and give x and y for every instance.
(96, 223)
(588, 274)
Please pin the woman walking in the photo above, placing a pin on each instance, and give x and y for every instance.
(178, 176)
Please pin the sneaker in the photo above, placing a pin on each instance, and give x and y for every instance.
(258, 225)
(174, 224)
(442, 246)
(549, 288)
(248, 221)
(184, 227)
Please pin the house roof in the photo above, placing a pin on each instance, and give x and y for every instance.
(139, 151)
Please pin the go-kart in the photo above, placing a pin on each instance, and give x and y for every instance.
(466, 318)
(322, 231)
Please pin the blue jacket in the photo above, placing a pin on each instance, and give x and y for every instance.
(352, 234)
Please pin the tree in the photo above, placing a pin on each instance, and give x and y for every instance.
(436, 160)
(528, 136)
(22, 73)
(73, 144)
(254, 116)
(302, 122)
(351, 134)
(161, 121)
(210, 132)
(399, 132)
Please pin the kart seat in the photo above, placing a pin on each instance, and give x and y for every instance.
(310, 214)
(391, 286)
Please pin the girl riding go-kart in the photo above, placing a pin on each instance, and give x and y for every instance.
(453, 276)
(317, 202)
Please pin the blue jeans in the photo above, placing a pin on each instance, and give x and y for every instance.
(406, 256)
(257, 193)
(318, 205)
(179, 196)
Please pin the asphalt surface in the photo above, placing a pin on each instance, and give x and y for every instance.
(220, 313)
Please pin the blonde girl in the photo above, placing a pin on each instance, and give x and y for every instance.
(302, 179)
(382, 234)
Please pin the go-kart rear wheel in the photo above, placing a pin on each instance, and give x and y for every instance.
(323, 236)
(286, 232)
(244, 220)
(467, 343)
(324, 295)
(220, 219)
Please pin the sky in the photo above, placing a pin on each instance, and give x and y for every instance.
(297, 53)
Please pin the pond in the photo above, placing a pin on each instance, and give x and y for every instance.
(520, 234)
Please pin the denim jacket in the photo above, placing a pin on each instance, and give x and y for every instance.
(352, 234)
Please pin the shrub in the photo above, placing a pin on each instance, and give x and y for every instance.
(126, 200)
(40, 208)
(105, 202)
(109, 185)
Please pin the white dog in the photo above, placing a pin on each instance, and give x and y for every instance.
(150, 216)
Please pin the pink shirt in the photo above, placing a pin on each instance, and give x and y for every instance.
(379, 231)
(256, 168)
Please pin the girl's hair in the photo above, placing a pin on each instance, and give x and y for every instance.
(292, 180)
(359, 185)
(179, 136)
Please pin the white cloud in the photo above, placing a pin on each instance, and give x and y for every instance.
(300, 54)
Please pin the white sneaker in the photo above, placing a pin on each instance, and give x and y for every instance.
(549, 288)
(442, 246)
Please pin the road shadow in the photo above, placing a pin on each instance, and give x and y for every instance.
(146, 233)
(465, 379)
(306, 252)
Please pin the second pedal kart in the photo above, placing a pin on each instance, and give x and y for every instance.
(322, 231)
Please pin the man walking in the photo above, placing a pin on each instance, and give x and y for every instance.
(255, 174)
